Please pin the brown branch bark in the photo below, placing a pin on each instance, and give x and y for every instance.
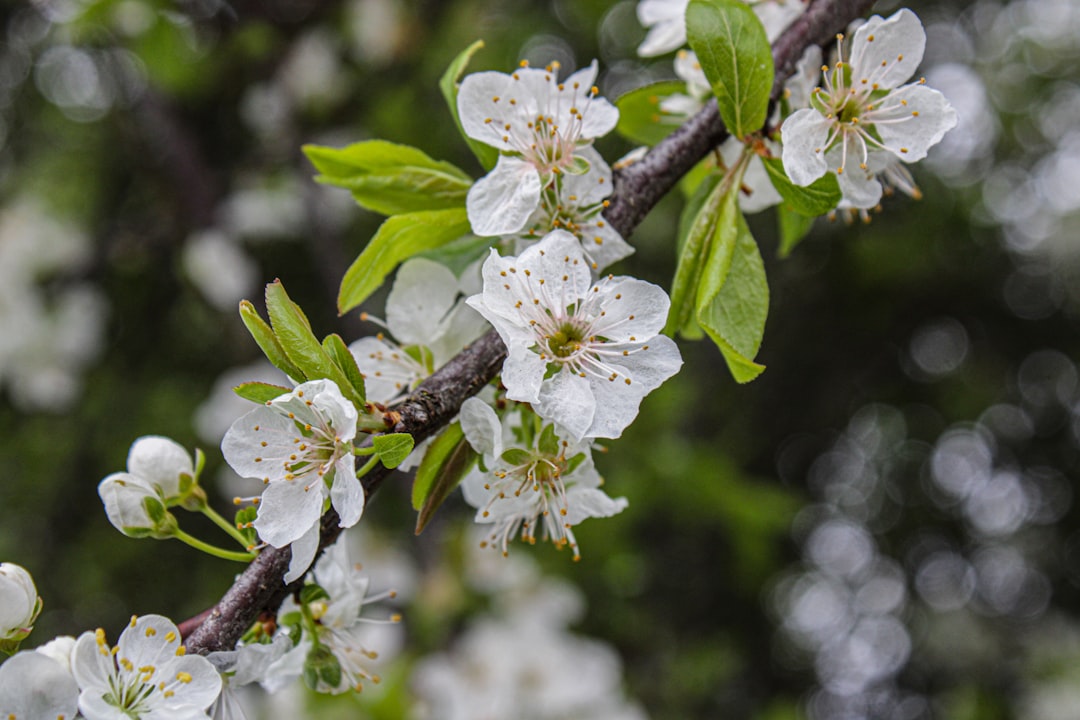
(637, 190)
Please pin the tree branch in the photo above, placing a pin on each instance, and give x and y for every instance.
(638, 188)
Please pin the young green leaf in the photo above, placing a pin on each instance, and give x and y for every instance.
(339, 352)
(640, 117)
(294, 333)
(818, 198)
(694, 246)
(393, 448)
(445, 463)
(259, 392)
(734, 53)
(267, 341)
(449, 85)
(389, 178)
(793, 228)
(733, 297)
(399, 238)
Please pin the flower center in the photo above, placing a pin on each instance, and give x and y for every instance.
(566, 340)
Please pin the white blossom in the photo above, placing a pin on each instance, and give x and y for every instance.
(19, 602)
(546, 487)
(539, 125)
(863, 111)
(33, 686)
(576, 203)
(244, 665)
(427, 317)
(147, 675)
(583, 354)
(300, 446)
(666, 22)
(340, 641)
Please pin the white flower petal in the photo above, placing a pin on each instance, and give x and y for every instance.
(598, 117)
(523, 374)
(666, 20)
(653, 366)
(859, 187)
(588, 502)
(160, 461)
(388, 372)
(633, 309)
(567, 400)
(804, 134)
(243, 447)
(893, 53)
(500, 202)
(18, 600)
(763, 195)
(481, 427)
(303, 552)
(288, 510)
(33, 685)
(123, 496)
(777, 15)
(476, 103)
(424, 292)
(926, 117)
(346, 493)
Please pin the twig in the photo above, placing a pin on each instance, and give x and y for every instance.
(637, 189)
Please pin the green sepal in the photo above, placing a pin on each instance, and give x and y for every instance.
(548, 443)
(449, 86)
(577, 166)
(447, 460)
(293, 331)
(733, 295)
(339, 352)
(734, 53)
(393, 448)
(640, 117)
(573, 463)
(243, 520)
(516, 456)
(260, 392)
(389, 178)
(264, 337)
(817, 198)
(321, 666)
(398, 238)
(793, 228)
(313, 592)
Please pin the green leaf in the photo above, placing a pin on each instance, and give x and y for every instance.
(459, 254)
(260, 392)
(734, 53)
(693, 251)
(389, 178)
(267, 341)
(449, 85)
(293, 331)
(640, 118)
(393, 448)
(733, 297)
(445, 463)
(818, 198)
(793, 228)
(339, 352)
(398, 238)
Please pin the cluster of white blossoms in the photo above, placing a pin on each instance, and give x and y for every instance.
(146, 675)
(863, 122)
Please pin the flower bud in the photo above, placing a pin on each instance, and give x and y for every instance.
(135, 508)
(163, 464)
(19, 605)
